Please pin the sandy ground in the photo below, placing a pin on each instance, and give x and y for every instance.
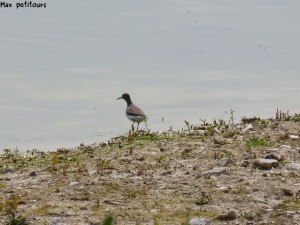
(205, 171)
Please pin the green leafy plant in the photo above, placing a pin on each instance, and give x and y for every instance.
(286, 116)
(161, 158)
(209, 130)
(11, 208)
(201, 200)
(248, 216)
(256, 142)
(108, 220)
(189, 127)
(16, 220)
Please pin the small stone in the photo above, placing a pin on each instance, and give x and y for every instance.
(54, 221)
(199, 221)
(216, 130)
(73, 183)
(265, 164)
(224, 189)
(293, 166)
(8, 169)
(285, 147)
(246, 128)
(32, 174)
(274, 156)
(224, 162)
(294, 136)
(214, 172)
(219, 141)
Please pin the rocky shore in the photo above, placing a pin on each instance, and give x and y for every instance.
(219, 173)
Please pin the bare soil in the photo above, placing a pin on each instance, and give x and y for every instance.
(145, 177)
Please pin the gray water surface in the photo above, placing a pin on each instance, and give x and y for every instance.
(63, 66)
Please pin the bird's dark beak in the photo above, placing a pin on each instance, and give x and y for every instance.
(118, 98)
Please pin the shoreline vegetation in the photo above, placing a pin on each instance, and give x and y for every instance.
(224, 172)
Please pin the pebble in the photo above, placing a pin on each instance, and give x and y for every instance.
(199, 221)
(224, 162)
(219, 141)
(214, 172)
(54, 221)
(224, 189)
(274, 156)
(92, 172)
(246, 128)
(294, 136)
(32, 174)
(265, 164)
(285, 147)
(216, 130)
(73, 183)
(8, 169)
(293, 166)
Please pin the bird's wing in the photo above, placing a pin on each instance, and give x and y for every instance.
(135, 111)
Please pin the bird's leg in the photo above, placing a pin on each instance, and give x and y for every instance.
(132, 127)
(138, 126)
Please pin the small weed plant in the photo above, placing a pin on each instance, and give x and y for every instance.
(11, 206)
(108, 220)
(256, 142)
(282, 116)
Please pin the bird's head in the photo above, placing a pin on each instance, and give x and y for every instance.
(126, 97)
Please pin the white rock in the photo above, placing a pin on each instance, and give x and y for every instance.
(92, 172)
(224, 189)
(199, 221)
(294, 136)
(273, 149)
(214, 172)
(246, 128)
(265, 164)
(54, 221)
(217, 130)
(285, 147)
(73, 183)
(224, 162)
(293, 166)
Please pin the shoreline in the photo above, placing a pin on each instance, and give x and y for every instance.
(244, 173)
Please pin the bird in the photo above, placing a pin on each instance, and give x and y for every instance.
(133, 112)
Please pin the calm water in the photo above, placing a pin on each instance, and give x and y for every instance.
(63, 67)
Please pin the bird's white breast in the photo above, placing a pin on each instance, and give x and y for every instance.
(137, 119)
